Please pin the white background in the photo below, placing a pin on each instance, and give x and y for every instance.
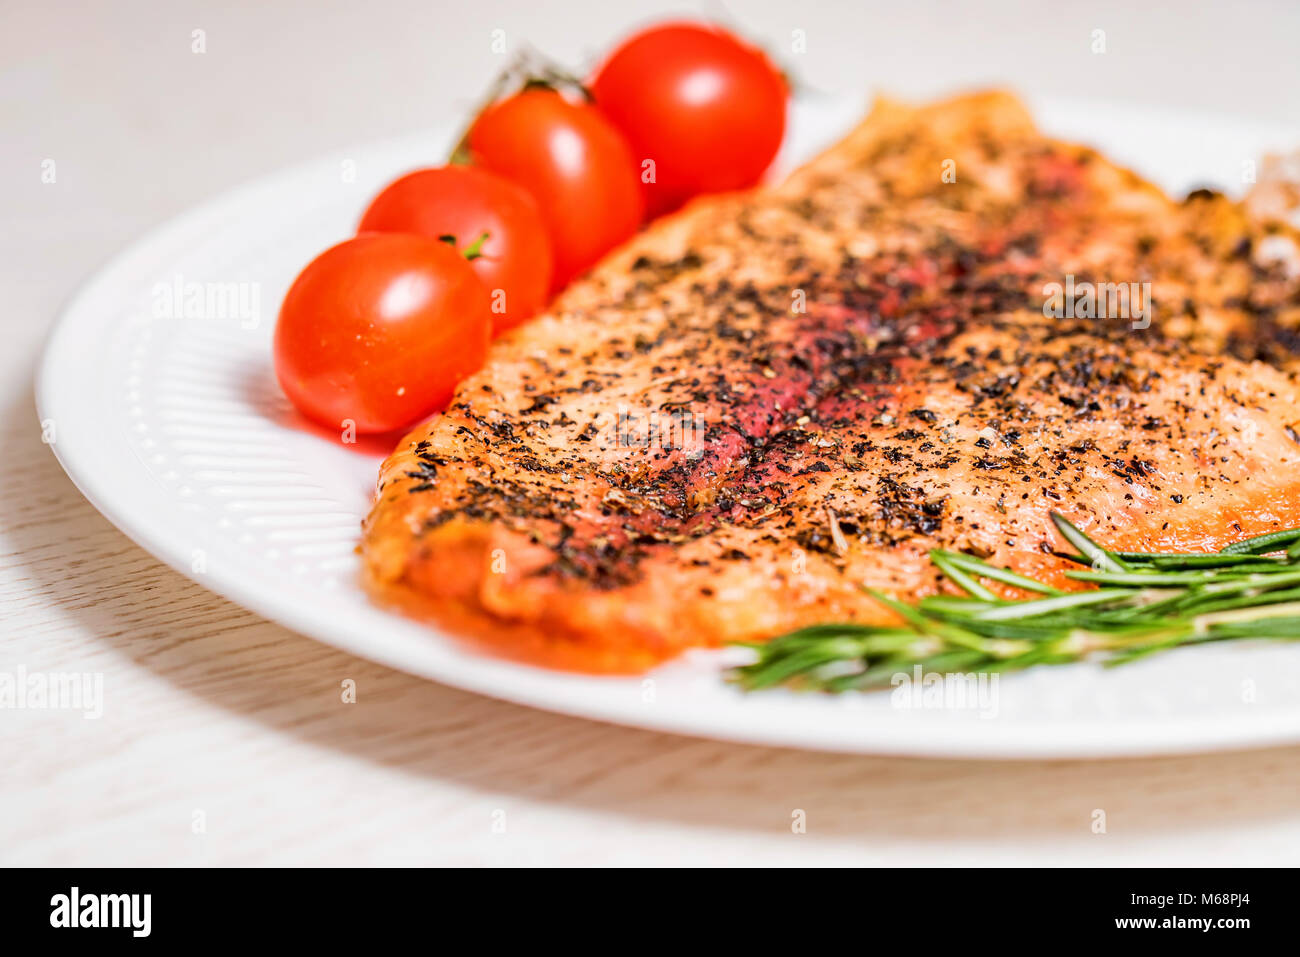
(212, 710)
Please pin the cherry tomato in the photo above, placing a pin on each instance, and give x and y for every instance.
(378, 330)
(493, 222)
(707, 108)
(576, 165)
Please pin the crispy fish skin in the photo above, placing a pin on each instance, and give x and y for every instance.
(768, 400)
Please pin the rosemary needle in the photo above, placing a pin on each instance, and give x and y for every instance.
(1147, 602)
(1273, 541)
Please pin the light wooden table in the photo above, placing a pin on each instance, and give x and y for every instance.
(216, 716)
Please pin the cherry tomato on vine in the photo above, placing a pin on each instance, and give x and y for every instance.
(575, 164)
(493, 222)
(378, 330)
(706, 107)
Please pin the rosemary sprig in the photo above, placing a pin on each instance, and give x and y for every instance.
(1146, 602)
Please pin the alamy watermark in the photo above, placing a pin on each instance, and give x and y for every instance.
(919, 690)
(659, 429)
(21, 690)
(133, 912)
(1100, 300)
(179, 299)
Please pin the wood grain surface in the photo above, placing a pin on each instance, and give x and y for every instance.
(224, 739)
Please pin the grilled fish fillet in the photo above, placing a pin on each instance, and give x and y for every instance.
(770, 399)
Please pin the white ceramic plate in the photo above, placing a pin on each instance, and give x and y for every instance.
(174, 428)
